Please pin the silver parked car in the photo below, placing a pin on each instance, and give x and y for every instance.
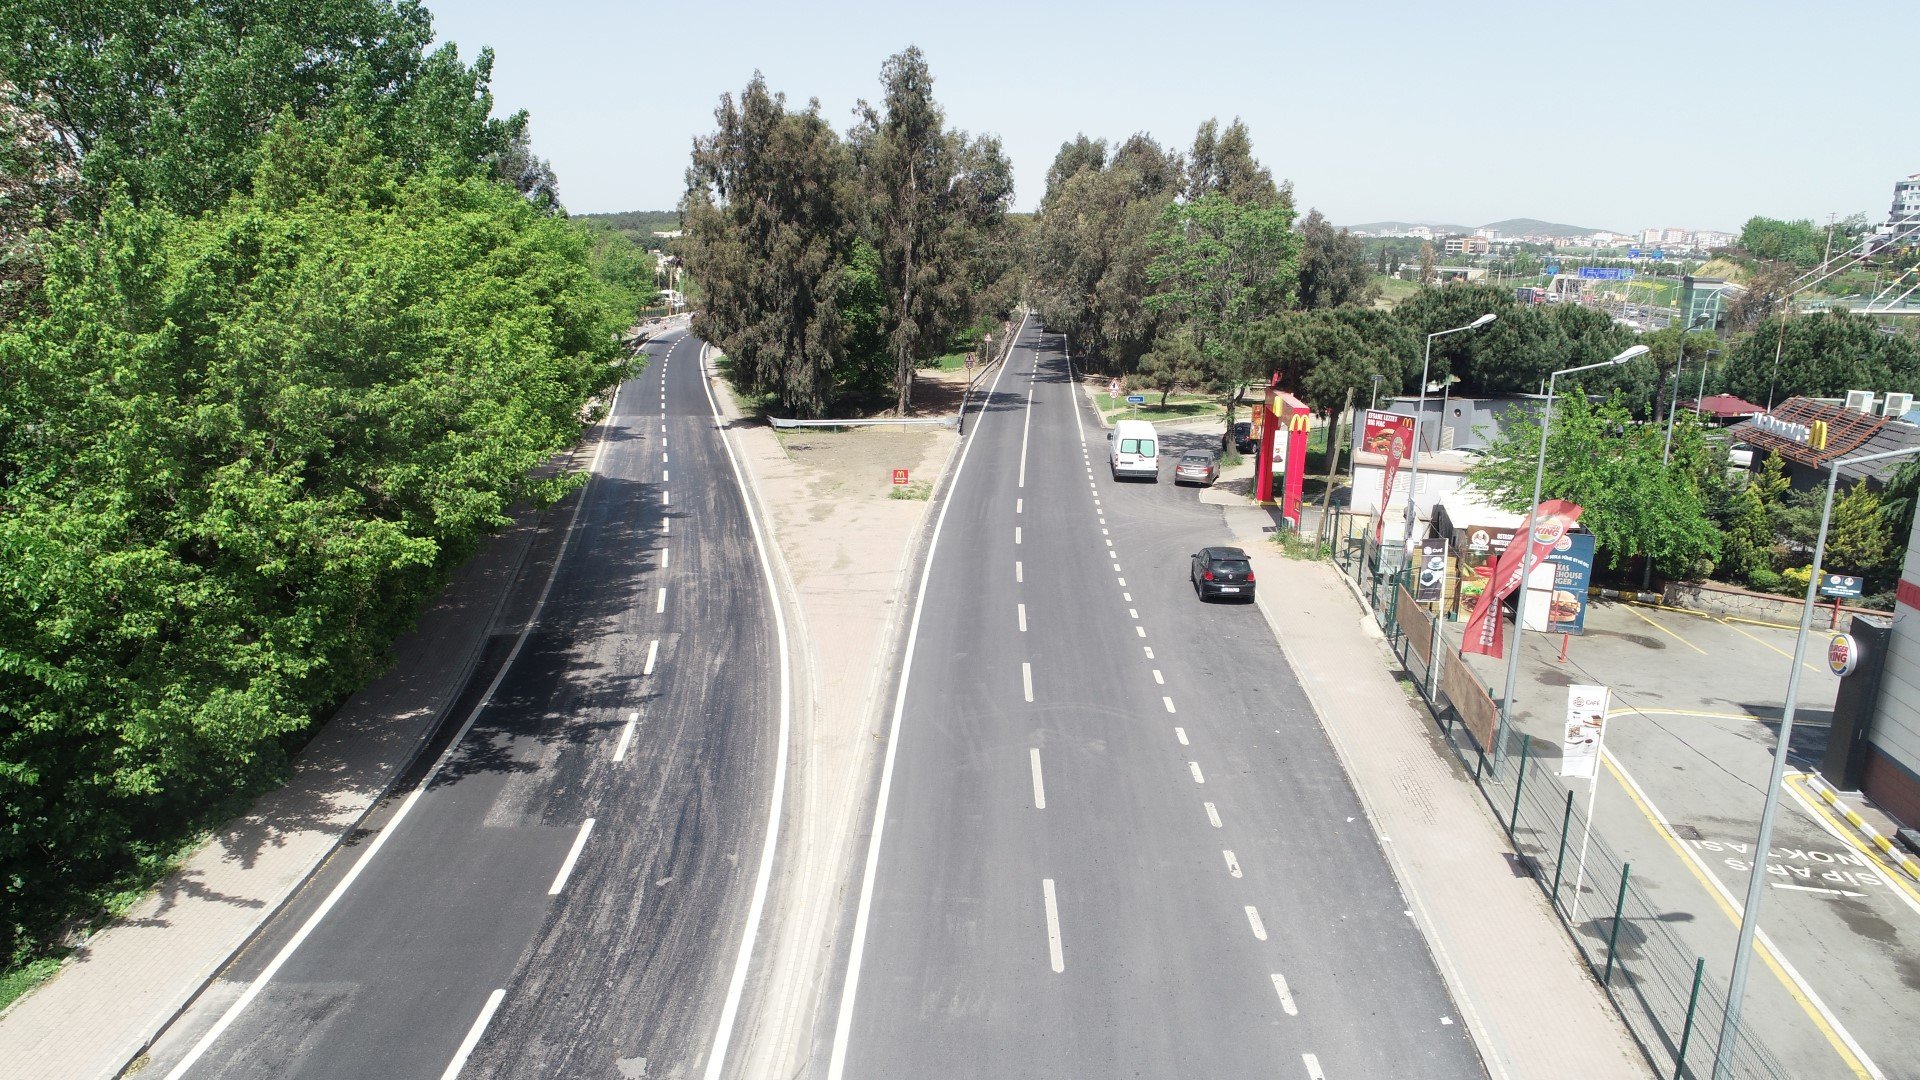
(1197, 467)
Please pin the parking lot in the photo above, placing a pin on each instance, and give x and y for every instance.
(1695, 714)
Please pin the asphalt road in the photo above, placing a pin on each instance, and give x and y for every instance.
(1114, 840)
(566, 895)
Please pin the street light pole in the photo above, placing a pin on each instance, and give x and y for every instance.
(1525, 539)
(1420, 414)
(1757, 876)
(1374, 397)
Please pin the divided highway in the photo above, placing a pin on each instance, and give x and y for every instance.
(565, 890)
(1113, 839)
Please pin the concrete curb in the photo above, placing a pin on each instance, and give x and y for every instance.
(1894, 855)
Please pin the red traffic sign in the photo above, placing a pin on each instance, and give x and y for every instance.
(900, 477)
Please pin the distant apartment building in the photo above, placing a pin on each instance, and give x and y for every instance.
(1420, 232)
(1707, 239)
(1467, 245)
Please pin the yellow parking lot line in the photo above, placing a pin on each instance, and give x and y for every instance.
(1768, 644)
(1668, 632)
(1892, 873)
(1854, 1064)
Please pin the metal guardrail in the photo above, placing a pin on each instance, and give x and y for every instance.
(933, 421)
(1655, 980)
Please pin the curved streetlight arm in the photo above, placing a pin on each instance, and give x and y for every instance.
(1420, 414)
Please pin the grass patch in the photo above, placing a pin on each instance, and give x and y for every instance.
(919, 490)
(1394, 290)
(1178, 407)
(1294, 546)
(751, 404)
(19, 980)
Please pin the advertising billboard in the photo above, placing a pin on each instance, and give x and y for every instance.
(1390, 434)
(1572, 562)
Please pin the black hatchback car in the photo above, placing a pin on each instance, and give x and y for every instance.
(1221, 571)
(1241, 437)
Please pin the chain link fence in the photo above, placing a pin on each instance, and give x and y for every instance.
(1671, 1004)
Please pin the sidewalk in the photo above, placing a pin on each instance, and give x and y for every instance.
(125, 984)
(1527, 997)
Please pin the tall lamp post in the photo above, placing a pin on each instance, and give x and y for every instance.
(1420, 414)
(1525, 539)
(1680, 365)
(1757, 877)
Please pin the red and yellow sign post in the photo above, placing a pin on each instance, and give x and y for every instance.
(1282, 415)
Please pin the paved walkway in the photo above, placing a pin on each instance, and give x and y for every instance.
(1527, 997)
(125, 984)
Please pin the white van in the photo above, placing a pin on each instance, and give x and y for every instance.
(1136, 450)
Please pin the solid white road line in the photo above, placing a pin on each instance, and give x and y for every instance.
(850, 988)
(313, 921)
(573, 856)
(472, 1040)
(776, 800)
(1169, 704)
(1253, 920)
(1233, 864)
(660, 605)
(1159, 678)
(1025, 426)
(1023, 618)
(1213, 815)
(626, 736)
(1053, 926)
(1194, 768)
(1026, 679)
(1039, 789)
(1286, 995)
(1181, 734)
(653, 653)
(1313, 1067)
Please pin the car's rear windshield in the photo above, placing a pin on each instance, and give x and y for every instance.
(1143, 447)
(1195, 459)
(1232, 566)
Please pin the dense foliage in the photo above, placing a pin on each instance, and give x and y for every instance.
(306, 326)
(823, 259)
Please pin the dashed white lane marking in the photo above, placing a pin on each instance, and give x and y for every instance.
(663, 456)
(1127, 596)
(1169, 704)
(573, 856)
(665, 476)
(1016, 534)
(1023, 618)
(1286, 995)
(1039, 789)
(1053, 926)
(1233, 864)
(663, 427)
(1103, 532)
(1253, 920)
(1141, 630)
(1019, 574)
(1110, 544)
(1313, 1067)
(1159, 678)
(666, 558)
(660, 604)
(1213, 815)
(626, 737)
(1181, 734)
(1132, 614)
(1194, 768)
(666, 498)
(1019, 506)
(666, 526)
(1123, 582)
(1148, 649)
(472, 1040)
(1026, 679)
(653, 653)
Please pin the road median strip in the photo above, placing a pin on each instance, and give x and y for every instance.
(1885, 843)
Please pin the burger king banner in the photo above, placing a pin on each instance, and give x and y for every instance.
(1572, 562)
(1484, 632)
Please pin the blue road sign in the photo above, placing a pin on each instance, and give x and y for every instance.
(1633, 253)
(1658, 254)
(1136, 399)
(1553, 268)
(1605, 273)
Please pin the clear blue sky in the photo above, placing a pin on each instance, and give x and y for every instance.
(1618, 116)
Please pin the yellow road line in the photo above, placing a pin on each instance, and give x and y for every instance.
(1668, 632)
(1896, 875)
(1768, 644)
(1834, 1039)
(1684, 712)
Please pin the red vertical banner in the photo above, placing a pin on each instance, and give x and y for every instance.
(1389, 434)
(1484, 633)
(1263, 433)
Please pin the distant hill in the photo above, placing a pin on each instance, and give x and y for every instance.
(1403, 226)
(1509, 227)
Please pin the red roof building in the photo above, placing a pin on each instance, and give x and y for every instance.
(1725, 407)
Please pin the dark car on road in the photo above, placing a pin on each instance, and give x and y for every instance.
(1221, 571)
(1196, 467)
(1241, 437)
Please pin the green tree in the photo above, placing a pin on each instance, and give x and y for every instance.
(1222, 163)
(1175, 363)
(1858, 539)
(770, 240)
(1427, 263)
(1598, 458)
(241, 449)
(1823, 354)
(1801, 243)
(1747, 543)
(170, 97)
(1333, 265)
(932, 201)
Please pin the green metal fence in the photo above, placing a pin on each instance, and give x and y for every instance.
(1670, 1003)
